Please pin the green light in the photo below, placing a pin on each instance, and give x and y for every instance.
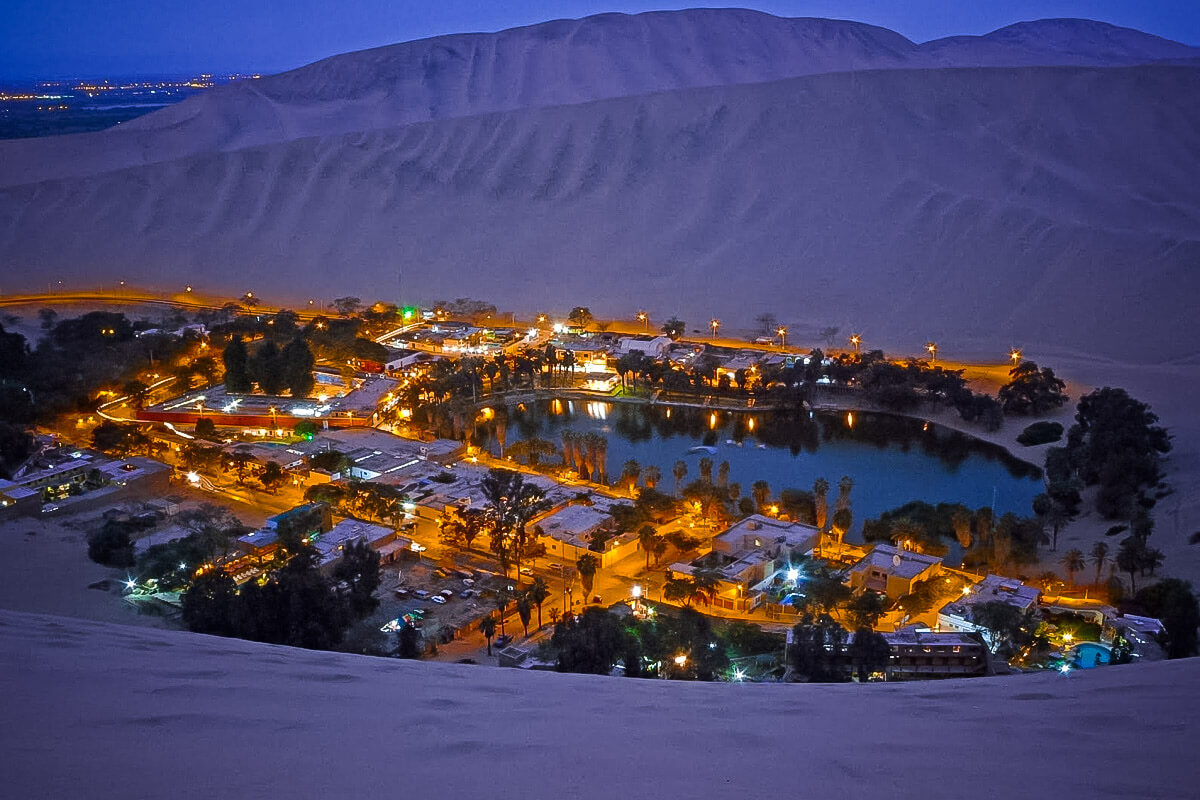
(408, 312)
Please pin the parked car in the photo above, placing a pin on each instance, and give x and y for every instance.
(465, 593)
(421, 593)
(447, 593)
(597, 599)
(554, 565)
(526, 570)
(468, 581)
(462, 573)
(402, 593)
(437, 598)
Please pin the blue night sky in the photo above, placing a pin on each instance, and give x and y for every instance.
(73, 38)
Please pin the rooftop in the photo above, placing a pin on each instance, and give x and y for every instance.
(993, 588)
(894, 561)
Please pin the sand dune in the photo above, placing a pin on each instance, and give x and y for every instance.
(1053, 207)
(146, 713)
(553, 63)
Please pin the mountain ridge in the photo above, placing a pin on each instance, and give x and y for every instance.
(561, 62)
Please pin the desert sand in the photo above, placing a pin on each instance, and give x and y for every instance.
(109, 711)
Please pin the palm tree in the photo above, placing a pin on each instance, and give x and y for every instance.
(961, 520)
(651, 475)
(646, 536)
(1099, 557)
(706, 468)
(821, 499)
(630, 472)
(761, 492)
(487, 626)
(723, 475)
(658, 547)
(524, 611)
(587, 564)
(1072, 562)
(1056, 517)
(844, 487)
(537, 595)
(680, 471)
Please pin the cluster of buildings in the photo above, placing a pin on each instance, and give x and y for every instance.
(58, 478)
(335, 405)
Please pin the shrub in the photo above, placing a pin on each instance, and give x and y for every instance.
(1041, 433)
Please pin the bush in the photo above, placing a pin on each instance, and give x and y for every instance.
(112, 545)
(1041, 433)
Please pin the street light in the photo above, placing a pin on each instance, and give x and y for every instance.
(715, 324)
(644, 318)
(1015, 355)
(855, 341)
(187, 288)
(782, 334)
(932, 348)
(680, 660)
(636, 592)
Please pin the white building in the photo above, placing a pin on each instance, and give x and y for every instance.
(958, 615)
(653, 348)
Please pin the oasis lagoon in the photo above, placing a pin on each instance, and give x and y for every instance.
(891, 459)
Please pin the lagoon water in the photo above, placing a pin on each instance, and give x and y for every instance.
(891, 459)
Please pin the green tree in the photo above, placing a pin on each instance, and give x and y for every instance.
(1005, 627)
(1073, 562)
(267, 368)
(674, 328)
(1174, 603)
(587, 565)
(869, 652)
(538, 594)
(592, 642)
(296, 366)
(112, 545)
(487, 626)
(410, 642)
(646, 536)
(581, 316)
(272, 476)
(206, 428)
(1031, 390)
(237, 373)
(524, 611)
(358, 570)
(761, 492)
(651, 475)
(867, 608)
(208, 604)
(821, 500)
(680, 472)
(818, 649)
(1099, 557)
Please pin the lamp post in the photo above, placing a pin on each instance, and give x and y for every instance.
(715, 324)
(932, 348)
(855, 341)
(644, 318)
(1015, 355)
(782, 333)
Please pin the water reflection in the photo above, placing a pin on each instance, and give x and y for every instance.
(892, 459)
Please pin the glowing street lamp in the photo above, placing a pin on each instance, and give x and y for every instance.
(793, 574)
(636, 592)
(715, 324)
(855, 341)
(932, 348)
(1015, 355)
(644, 318)
(781, 332)
(680, 660)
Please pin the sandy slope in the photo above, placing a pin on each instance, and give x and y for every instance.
(106, 711)
(1052, 207)
(553, 63)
